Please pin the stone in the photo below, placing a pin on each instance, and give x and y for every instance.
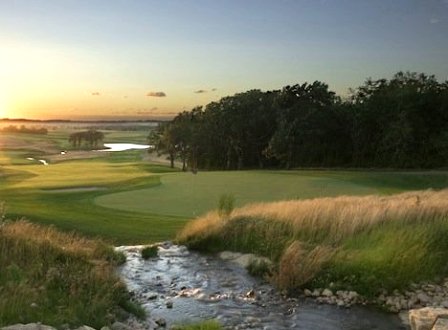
(423, 298)
(441, 324)
(227, 255)
(340, 303)
(119, 326)
(352, 295)
(307, 293)
(85, 327)
(316, 292)
(161, 322)
(29, 326)
(152, 296)
(169, 304)
(424, 318)
(250, 294)
(327, 293)
(105, 328)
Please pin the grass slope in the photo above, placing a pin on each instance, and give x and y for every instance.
(51, 277)
(357, 243)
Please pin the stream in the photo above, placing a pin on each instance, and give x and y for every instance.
(184, 286)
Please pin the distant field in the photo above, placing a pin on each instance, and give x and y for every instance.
(127, 200)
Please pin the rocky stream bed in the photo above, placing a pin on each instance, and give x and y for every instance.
(183, 286)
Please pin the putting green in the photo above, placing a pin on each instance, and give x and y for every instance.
(189, 195)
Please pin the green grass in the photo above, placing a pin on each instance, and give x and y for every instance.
(144, 203)
(189, 195)
(27, 191)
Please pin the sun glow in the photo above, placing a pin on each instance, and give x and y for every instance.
(3, 105)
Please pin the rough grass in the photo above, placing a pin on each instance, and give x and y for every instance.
(362, 243)
(51, 277)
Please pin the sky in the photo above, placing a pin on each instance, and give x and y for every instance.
(144, 59)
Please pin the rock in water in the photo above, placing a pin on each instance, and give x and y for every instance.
(424, 318)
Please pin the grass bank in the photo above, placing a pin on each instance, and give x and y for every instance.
(52, 277)
(356, 243)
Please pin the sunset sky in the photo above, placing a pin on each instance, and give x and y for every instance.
(92, 59)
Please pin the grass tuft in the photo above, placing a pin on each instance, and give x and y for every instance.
(206, 325)
(226, 204)
(149, 252)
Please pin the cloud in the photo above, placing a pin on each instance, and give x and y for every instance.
(96, 94)
(434, 20)
(200, 91)
(156, 94)
(214, 89)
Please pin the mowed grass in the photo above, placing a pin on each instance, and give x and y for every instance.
(190, 195)
(27, 192)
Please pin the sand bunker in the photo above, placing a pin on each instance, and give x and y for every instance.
(75, 189)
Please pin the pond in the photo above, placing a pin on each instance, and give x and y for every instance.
(124, 146)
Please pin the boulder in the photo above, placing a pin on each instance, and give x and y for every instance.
(119, 326)
(425, 318)
(30, 326)
(441, 324)
(327, 293)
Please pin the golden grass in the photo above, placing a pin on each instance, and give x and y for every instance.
(339, 217)
(299, 264)
(390, 236)
(69, 279)
(69, 242)
(209, 224)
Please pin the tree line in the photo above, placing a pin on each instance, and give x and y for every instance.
(397, 123)
(24, 130)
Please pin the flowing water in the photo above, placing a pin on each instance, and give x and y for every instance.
(183, 286)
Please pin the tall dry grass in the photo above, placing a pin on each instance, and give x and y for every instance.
(57, 278)
(337, 217)
(344, 216)
(397, 237)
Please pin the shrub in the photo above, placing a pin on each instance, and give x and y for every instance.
(226, 204)
(149, 252)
